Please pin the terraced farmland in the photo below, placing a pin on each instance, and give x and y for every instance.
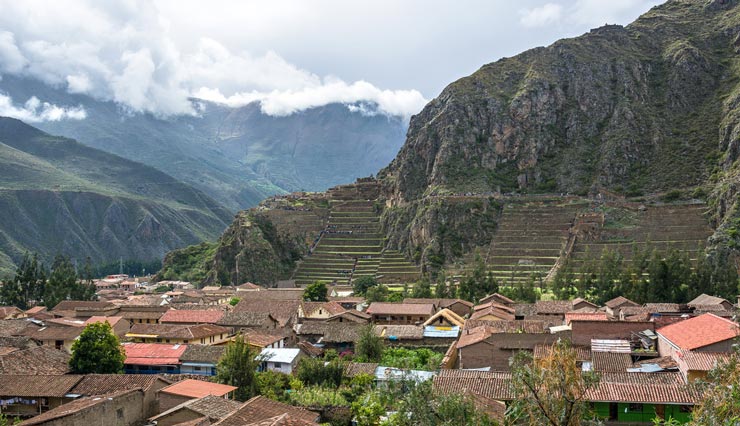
(530, 238)
(664, 227)
(351, 245)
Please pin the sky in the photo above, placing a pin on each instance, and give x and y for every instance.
(154, 55)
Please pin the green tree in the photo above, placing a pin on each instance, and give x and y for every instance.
(442, 289)
(551, 390)
(315, 292)
(238, 366)
(368, 409)
(63, 284)
(361, 285)
(27, 286)
(273, 384)
(369, 346)
(97, 350)
(477, 284)
(422, 289)
(314, 372)
(720, 403)
(378, 293)
(418, 404)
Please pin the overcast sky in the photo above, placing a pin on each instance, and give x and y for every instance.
(290, 55)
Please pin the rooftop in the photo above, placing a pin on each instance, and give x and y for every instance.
(210, 406)
(192, 316)
(281, 355)
(697, 332)
(153, 353)
(37, 385)
(98, 384)
(198, 388)
(384, 308)
(259, 409)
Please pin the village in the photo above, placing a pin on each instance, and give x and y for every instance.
(647, 357)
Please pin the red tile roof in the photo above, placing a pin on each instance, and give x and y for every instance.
(198, 388)
(700, 331)
(619, 301)
(383, 308)
(192, 316)
(153, 353)
(260, 408)
(703, 361)
(587, 316)
(111, 320)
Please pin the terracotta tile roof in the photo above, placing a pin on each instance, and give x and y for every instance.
(98, 384)
(36, 310)
(192, 316)
(332, 332)
(177, 331)
(588, 316)
(638, 393)
(333, 308)
(493, 385)
(311, 350)
(655, 308)
(111, 320)
(524, 309)
(580, 300)
(71, 305)
(75, 407)
(262, 340)
(354, 368)
(249, 286)
(447, 314)
(703, 361)
(153, 353)
(553, 306)
(37, 385)
(402, 332)
(498, 298)
(619, 301)
(202, 353)
(283, 420)
(10, 312)
(40, 360)
(700, 331)
(246, 319)
(662, 378)
(582, 353)
(153, 315)
(517, 326)
(284, 311)
(495, 310)
(65, 322)
(383, 308)
(352, 315)
(705, 299)
(16, 327)
(209, 406)
(56, 333)
(611, 362)
(500, 306)
(260, 408)
(197, 388)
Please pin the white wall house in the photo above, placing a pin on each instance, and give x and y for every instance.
(283, 360)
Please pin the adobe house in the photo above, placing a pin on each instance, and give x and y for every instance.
(100, 384)
(115, 409)
(189, 389)
(30, 395)
(212, 408)
(152, 358)
(204, 334)
(399, 313)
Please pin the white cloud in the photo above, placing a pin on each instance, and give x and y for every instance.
(11, 59)
(286, 102)
(35, 110)
(595, 13)
(547, 14)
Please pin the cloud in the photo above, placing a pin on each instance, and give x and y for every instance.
(547, 14)
(127, 55)
(595, 13)
(286, 102)
(35, 110)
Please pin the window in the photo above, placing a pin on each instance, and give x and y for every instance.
(196, 368)
(635, 408)
(167, 341)
(184, 341)
(119, 413)
(685, 408)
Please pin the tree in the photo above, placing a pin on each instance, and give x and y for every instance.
(63, 284)
(273, 384)
(478, 283)
(369, 346)
(422, 289)
(313, 371)
(418, 404)
(315, 292)
(378, 293)
(720, 403)
(237, 367)
(442, 289)
(551, 389)
(361, 285)
(368, 409)
(27, 286)
(97, 350)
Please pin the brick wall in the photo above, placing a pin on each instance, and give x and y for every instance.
(584, 331)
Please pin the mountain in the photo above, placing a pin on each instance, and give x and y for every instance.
(59, 196)
(564, 150)
(237, 155)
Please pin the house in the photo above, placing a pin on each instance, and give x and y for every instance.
(400, 313)
(445, 318)
(350, 315)
(83, 308)
(102, 384)
(319, 310)
(705, 333)
(248, 287)
(585, 316)
(498, 298)
(283, 360)
(152, 358)
(330, 335)
(189, 389)
(201, 359)
(458, 306)
(192, 317)
(584, 331)
(29, 395)
(118, 324)
(204, 334)
(614, 305)
(261, 409)
(259, 341)
(35, 360)
(11, 312)
(705, 302)
(115, 409)
(243, 321)
(284, 311)
(401, 335)
(493, 311)
(493, 345)
(697, 365)
(58, 337)
(210, 407)
(349, 302)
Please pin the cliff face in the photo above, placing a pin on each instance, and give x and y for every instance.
(651, 107)
(633, 110)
